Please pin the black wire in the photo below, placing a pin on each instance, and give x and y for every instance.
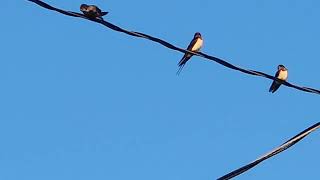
(245, 168)
(170, 46)
(274, 152)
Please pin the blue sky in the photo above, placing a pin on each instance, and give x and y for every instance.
(80, 101)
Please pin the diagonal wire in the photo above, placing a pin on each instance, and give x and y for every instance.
(245, 168)
(274, 152)
(170, 46)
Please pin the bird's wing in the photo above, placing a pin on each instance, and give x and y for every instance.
(192, 43)
(275, 84)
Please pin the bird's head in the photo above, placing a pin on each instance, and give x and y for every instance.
(281, 67)
(197, 35)
(83, 7)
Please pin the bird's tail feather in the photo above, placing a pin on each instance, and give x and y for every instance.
(180, 68)
(104, 13)
(183, 62)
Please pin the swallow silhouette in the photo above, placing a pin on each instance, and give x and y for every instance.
(92, 11)
(194, 46)
(281, 74)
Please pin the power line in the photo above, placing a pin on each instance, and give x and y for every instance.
(170, 46)
(245, 168)
(274, 152)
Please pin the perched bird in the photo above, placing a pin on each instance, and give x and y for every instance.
(194, 46)
(92, 11)
(281, 74)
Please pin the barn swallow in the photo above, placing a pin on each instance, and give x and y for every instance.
(92, 11)
(194, 46)
(281, 74)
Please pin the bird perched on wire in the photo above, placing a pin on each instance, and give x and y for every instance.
(194, 46)
(281, 74)
(92, 11)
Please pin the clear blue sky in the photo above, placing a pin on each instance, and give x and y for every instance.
(79, 101)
